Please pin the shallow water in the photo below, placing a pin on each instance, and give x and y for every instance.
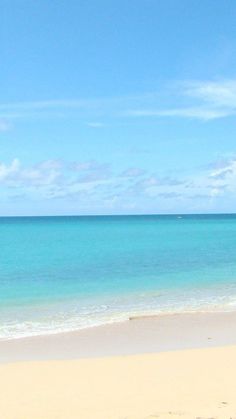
(65, 273)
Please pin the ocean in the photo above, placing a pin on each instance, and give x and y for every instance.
(61, 274)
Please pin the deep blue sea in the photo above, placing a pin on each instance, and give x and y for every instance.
(66, 273)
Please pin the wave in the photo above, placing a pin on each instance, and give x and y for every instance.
(65, 317)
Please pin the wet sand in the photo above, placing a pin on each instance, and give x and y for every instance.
(141, 335)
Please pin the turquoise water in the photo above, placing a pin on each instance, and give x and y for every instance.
(66, 273)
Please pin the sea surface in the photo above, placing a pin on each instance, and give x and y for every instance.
(67, 273)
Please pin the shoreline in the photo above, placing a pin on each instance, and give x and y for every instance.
(154, 367)
(138, 335)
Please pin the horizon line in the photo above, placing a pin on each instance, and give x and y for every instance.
(118, 215)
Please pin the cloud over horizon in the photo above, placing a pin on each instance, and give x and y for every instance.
(95, 183)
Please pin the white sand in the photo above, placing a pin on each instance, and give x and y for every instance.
(189, 384)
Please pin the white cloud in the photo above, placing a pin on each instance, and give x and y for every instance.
(218, 94)
(9, 171)
(93, 185)
(207, 100)
(201, 113)
(224, 177)
(202, 100)
(53, 178)
(15, 175)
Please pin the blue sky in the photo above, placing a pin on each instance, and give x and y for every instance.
(117, 107)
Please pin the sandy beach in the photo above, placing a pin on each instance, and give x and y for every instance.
(148, 370)
(118, 209)
(183, 384)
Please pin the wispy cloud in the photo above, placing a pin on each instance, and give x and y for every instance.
(223, 176)
(200, 100)
(201, 113)
(206, 100)
(44, 104)
(217, 93)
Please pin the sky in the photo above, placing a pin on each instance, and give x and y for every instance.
(117, 107)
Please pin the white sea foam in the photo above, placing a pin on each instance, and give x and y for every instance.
(69, 316)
